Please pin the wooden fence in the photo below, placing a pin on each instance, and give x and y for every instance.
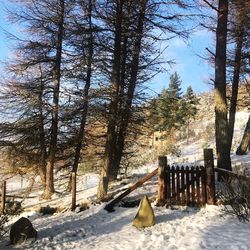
(177, 185)
(184, 185)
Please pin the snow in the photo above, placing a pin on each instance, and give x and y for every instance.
(176, 227)
(179, 228)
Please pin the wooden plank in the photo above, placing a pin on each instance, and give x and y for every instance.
(173, 187)
(203, 185)
(198, 186)
(178, 185)
(110, 207)
(3, 197)
(210, 177)
(192, 186)
(183, 190)
(162, 180)
(168, 192)
(73, 205)
(188, 172)
(232, 174)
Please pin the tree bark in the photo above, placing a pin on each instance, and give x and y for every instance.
(123, 79)
(126, 113)
(245, 142)
(112, 122)
(49, 189)
(221, 121)
(240, 32)
(84, 113)
(43, 152)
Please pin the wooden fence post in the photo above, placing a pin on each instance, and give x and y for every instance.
(210, 178)
(73, 206)
(3, 198)
(162, 185)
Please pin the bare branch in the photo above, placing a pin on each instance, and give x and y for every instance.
(211, 6)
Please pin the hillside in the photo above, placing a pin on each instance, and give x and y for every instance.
(176, 227)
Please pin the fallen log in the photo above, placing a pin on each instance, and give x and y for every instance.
(110, 207)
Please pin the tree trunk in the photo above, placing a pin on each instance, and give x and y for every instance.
(81, 132)
(245, 142)
(123, 77)
(240, 32)
(49, 189)
(126, 113)
(221, 121)
(112, 122)
(43, 152)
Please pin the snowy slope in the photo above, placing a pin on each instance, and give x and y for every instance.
(184, 228)
(176, 228)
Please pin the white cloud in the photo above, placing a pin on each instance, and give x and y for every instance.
(178, 43)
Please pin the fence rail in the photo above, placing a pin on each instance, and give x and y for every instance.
(228, 173)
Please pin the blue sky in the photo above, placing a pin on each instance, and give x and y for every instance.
(192, 69)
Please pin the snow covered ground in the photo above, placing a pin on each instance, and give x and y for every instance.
(176, 228)
(183, 228)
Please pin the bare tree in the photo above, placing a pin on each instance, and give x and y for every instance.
(133, 20)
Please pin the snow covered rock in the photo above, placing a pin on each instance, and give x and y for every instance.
(21, 230)
(145, 216)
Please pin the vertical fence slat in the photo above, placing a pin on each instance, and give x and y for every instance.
(173, 184)
(168, 192)
(162, 185)
(198, 186)
(188, 185)
(178, 184)
(183, 196)
(210, 182)
(203, 183)
(3, 196)
(192, 186)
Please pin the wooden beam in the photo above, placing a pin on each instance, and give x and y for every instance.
(110, 207)
(232, 174)
(210, 178)
(73, 205)
(162, 185)
(3, 198)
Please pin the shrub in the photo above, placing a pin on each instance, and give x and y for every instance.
(235, 194)
(4, 218)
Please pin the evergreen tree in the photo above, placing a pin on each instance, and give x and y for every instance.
(191, 102)
(166, 111)
(189, 108)
(174, 89)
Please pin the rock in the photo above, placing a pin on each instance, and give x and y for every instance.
(21, 230)
(145, 216)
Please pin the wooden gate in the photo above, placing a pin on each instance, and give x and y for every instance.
(184, 185)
